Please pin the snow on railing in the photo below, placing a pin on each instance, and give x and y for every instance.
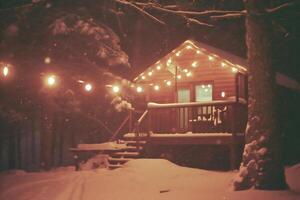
(152, 105)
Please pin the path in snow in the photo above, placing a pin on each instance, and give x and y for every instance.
(139, 179)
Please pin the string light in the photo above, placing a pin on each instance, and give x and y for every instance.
(189, 74)
(210, 58)
(209, 85)
(223, 64)
(223, 94)
(198, 51)
(158, 67)
(143, 77)
(185, 70)
(5, 71)
(194, 64)
(179, 76)
(169, 83)
(178, 53)
(116, 89)
(156, 87)
(51, 80)
(188, 47)
(234, 70)
(47, 60)
(149, 73)
(139, 89)
(88, 87)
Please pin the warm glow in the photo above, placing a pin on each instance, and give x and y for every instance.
(149, 73)
(185, 70)
(88, 87)
(116, 89)
(209, 85)
(189, 47)
(5, 71)
(139, 89)
(189, 74)
(223, 94)
(47, 60)
(198, 51)
(169, 83)
(210, 58)
(178, 53)
(158, 67)
(205, 90)
(202, 86)
(143, 77)
(51, 80)
(156, 87)
(179, 77)
(234, 70)
(223, 64)
(194, 64)
(169, 61)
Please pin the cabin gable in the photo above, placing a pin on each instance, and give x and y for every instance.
(195, 70)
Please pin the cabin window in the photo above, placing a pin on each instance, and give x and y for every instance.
(203, 92)
(184, 95)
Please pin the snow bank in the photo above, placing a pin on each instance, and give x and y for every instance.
(137, 180)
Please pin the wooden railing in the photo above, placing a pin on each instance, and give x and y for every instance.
(197, 117)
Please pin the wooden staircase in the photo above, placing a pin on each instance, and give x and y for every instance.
(132, 151)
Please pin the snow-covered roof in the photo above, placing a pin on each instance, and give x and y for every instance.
(236, 61)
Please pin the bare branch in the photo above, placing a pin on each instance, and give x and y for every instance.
(144, 13)
(286, 9)
(229, 16)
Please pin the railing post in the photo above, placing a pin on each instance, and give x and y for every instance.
(233, 152)
(130, 120)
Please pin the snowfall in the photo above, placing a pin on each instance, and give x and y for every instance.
(137, 180)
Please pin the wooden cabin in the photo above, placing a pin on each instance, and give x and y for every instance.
(195, 88)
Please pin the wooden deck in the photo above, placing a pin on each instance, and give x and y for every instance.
(189, 138)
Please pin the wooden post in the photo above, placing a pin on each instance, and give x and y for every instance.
(232, 146)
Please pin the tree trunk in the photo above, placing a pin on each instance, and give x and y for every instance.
(262, 165)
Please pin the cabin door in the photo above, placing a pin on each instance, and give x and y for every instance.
(183, 96)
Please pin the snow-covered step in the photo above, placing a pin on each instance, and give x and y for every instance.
(114, 166)
(126, 154)
(134, 143)
(132, 136)
(119, 160)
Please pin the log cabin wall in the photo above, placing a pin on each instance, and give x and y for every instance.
(205, 69)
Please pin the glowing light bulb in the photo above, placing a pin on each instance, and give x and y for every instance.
(198, 51)
(5, 71)
(178, 53)
(139, 89)
(88, 87)
(223, 64)
(234, 70)
(185, 70)
(169, 83)
(149, 73)
(47, 60)
(202, 86)
(195, 64)
(189, 74)
(156, 87)
(51, 80)
(209, 85)
(158, 67)
(205, 90)
(143, 77)
(178, 76)
(223, 94)
(188, 47)
(116, 89)
(210, 58)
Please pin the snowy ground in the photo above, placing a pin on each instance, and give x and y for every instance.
(138, 180)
